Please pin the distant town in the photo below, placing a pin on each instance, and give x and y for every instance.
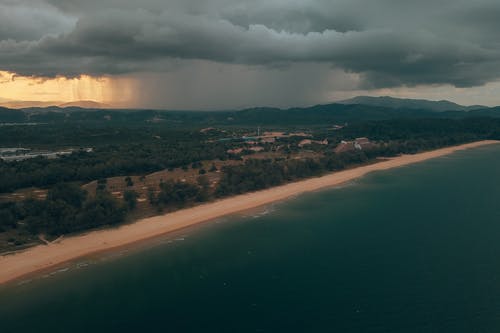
(20, 154)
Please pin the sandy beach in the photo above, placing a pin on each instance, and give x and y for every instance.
(43, 257)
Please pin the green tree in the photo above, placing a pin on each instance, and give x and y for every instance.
(130, 198)
(101, 184)
(204, 192)
(128, 181)
(103, 210)
(71, 194)
(7, 220)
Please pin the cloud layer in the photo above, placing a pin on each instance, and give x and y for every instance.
(389, 43)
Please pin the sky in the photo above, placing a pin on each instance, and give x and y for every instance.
(222, 54)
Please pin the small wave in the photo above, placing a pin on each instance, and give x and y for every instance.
(25, 282)
(265, 212)
(82, 264)
(345, 185)
(221, 220)
(112, 256)
(62, 270)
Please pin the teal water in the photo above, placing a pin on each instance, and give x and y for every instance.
(415, 249)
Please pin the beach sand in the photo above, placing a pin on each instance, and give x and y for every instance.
(43, 257)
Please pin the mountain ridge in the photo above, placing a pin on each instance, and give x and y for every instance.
(393, 102)
(20, 105)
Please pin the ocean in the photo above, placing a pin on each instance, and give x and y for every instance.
(413, 249)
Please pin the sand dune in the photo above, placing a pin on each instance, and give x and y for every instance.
(43, 257)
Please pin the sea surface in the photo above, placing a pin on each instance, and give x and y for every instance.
(413, 249)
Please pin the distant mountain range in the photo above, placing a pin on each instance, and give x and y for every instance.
(383, 101)
(85, 104)
(334, 113)
(422, 104)
(12, 104)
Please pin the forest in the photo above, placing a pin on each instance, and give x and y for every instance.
(121, 151)
(66, 209)
(124, 151)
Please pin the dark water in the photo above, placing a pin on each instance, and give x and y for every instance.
(416, 249)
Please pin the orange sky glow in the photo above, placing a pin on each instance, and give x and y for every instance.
(110, 91)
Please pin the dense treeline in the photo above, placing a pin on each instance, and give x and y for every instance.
(136, 147)
(319, 114)
(125, 151)
(260, 174)
(177, 194)
(100, 135)
(449, 131)
(67, 209)
(131, 156)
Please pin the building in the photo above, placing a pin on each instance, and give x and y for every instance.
(306, 142)
(273, 134)
(268, 140)
(235, 151)
(363, 143)
(345, 146)
(302, 134)
(357, 144)
(324, 142)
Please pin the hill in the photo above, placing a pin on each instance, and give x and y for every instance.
(315, 115)
(85, 104)
(25, 104)
(12, 104)
(391, 102)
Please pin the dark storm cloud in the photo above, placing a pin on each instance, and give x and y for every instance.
(30, 20)
(387, 42)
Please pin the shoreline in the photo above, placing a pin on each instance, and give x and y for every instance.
(44, 257)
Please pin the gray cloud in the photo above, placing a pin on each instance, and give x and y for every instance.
(207, 85)
(31, 20)
(388, 43)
